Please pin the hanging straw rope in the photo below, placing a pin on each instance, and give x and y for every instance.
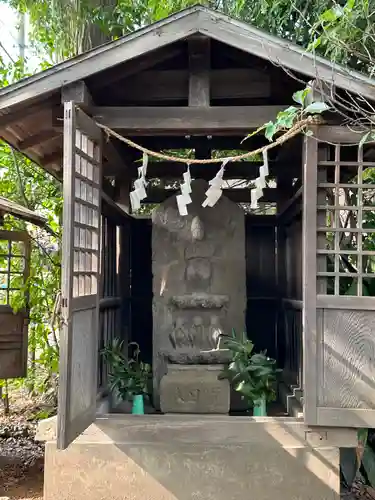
(295, 130)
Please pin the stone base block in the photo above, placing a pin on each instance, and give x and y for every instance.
(194, 389)
(207, 457)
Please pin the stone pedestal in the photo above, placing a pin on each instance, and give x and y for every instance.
(200, 457)
(194, 389)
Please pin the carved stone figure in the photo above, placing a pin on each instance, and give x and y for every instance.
(180, 336)
(214, 332)
(203, 294)
(197, 333)
(198, 273)
(197, 229)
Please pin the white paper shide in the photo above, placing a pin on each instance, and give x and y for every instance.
(260, 182)
(139, 192)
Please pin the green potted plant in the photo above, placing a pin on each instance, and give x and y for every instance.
(253, 375)
(128, 376)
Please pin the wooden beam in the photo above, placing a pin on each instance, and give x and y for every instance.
(234, 170)
(80, 95)
(169, 120)
(238, 195)
(173, 85)
(311, 342)
(112, 154)
(54, 158)
(111, 209)
(285, 187)
(176, 28)
(214, 142)
(199, 74)
(339, 134)
(127, 70)
(23, 113)
(292, 208)
(77, 92)
(244, 59)
(39, 138)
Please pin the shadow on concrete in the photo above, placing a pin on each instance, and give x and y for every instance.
(207, 458)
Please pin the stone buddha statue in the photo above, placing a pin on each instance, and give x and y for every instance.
(202, 297)
(199, 344)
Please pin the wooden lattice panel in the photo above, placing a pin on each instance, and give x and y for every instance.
(14, 266)
(80, 274)
(86, 216)
(14, 272)
(346, 224)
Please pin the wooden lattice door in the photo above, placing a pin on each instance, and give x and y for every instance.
(339, 283)
(80, 274)
(14, 271)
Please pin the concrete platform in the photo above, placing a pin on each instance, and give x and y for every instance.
(181, 457)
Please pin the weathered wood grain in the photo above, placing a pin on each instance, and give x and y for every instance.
(131, 68)
(167, 85)
(348, 379)
(310, 340)
(80, 274)
(78, 93)
(339, 134)
(199, 71)
(345, 302)
(39, 138)
(174, 120)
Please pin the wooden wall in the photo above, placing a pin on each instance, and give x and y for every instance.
(262, 292)
(141, 286)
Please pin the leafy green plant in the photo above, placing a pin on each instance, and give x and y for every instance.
(287, 118)
(128, 376)
(251, 374)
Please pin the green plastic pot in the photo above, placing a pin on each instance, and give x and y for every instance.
(138, 406)
(260, 408)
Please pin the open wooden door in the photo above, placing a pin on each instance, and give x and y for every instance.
(80, 274)
(339, 282)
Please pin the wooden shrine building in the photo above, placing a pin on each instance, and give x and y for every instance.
(195, 84)
(15, 256)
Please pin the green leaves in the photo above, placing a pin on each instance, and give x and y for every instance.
(128, 376)
(287, 118)
(367, 137)
(252, 375)
(316, 108)
(332, 14)
(284, 120)
(270, 130)
(300, 96)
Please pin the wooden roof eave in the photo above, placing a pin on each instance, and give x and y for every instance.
(12, 208)
(21, 102)
(50, 163)
(177, 27)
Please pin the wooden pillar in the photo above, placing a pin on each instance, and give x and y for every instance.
(199, 76)
(310, 339)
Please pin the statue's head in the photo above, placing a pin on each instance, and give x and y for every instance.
(197, 321)
(214, 321)
(179, 322)
(197, 229)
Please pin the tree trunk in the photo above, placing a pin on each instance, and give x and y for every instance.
(94, 36)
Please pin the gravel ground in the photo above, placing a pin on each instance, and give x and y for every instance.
(21, 458)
